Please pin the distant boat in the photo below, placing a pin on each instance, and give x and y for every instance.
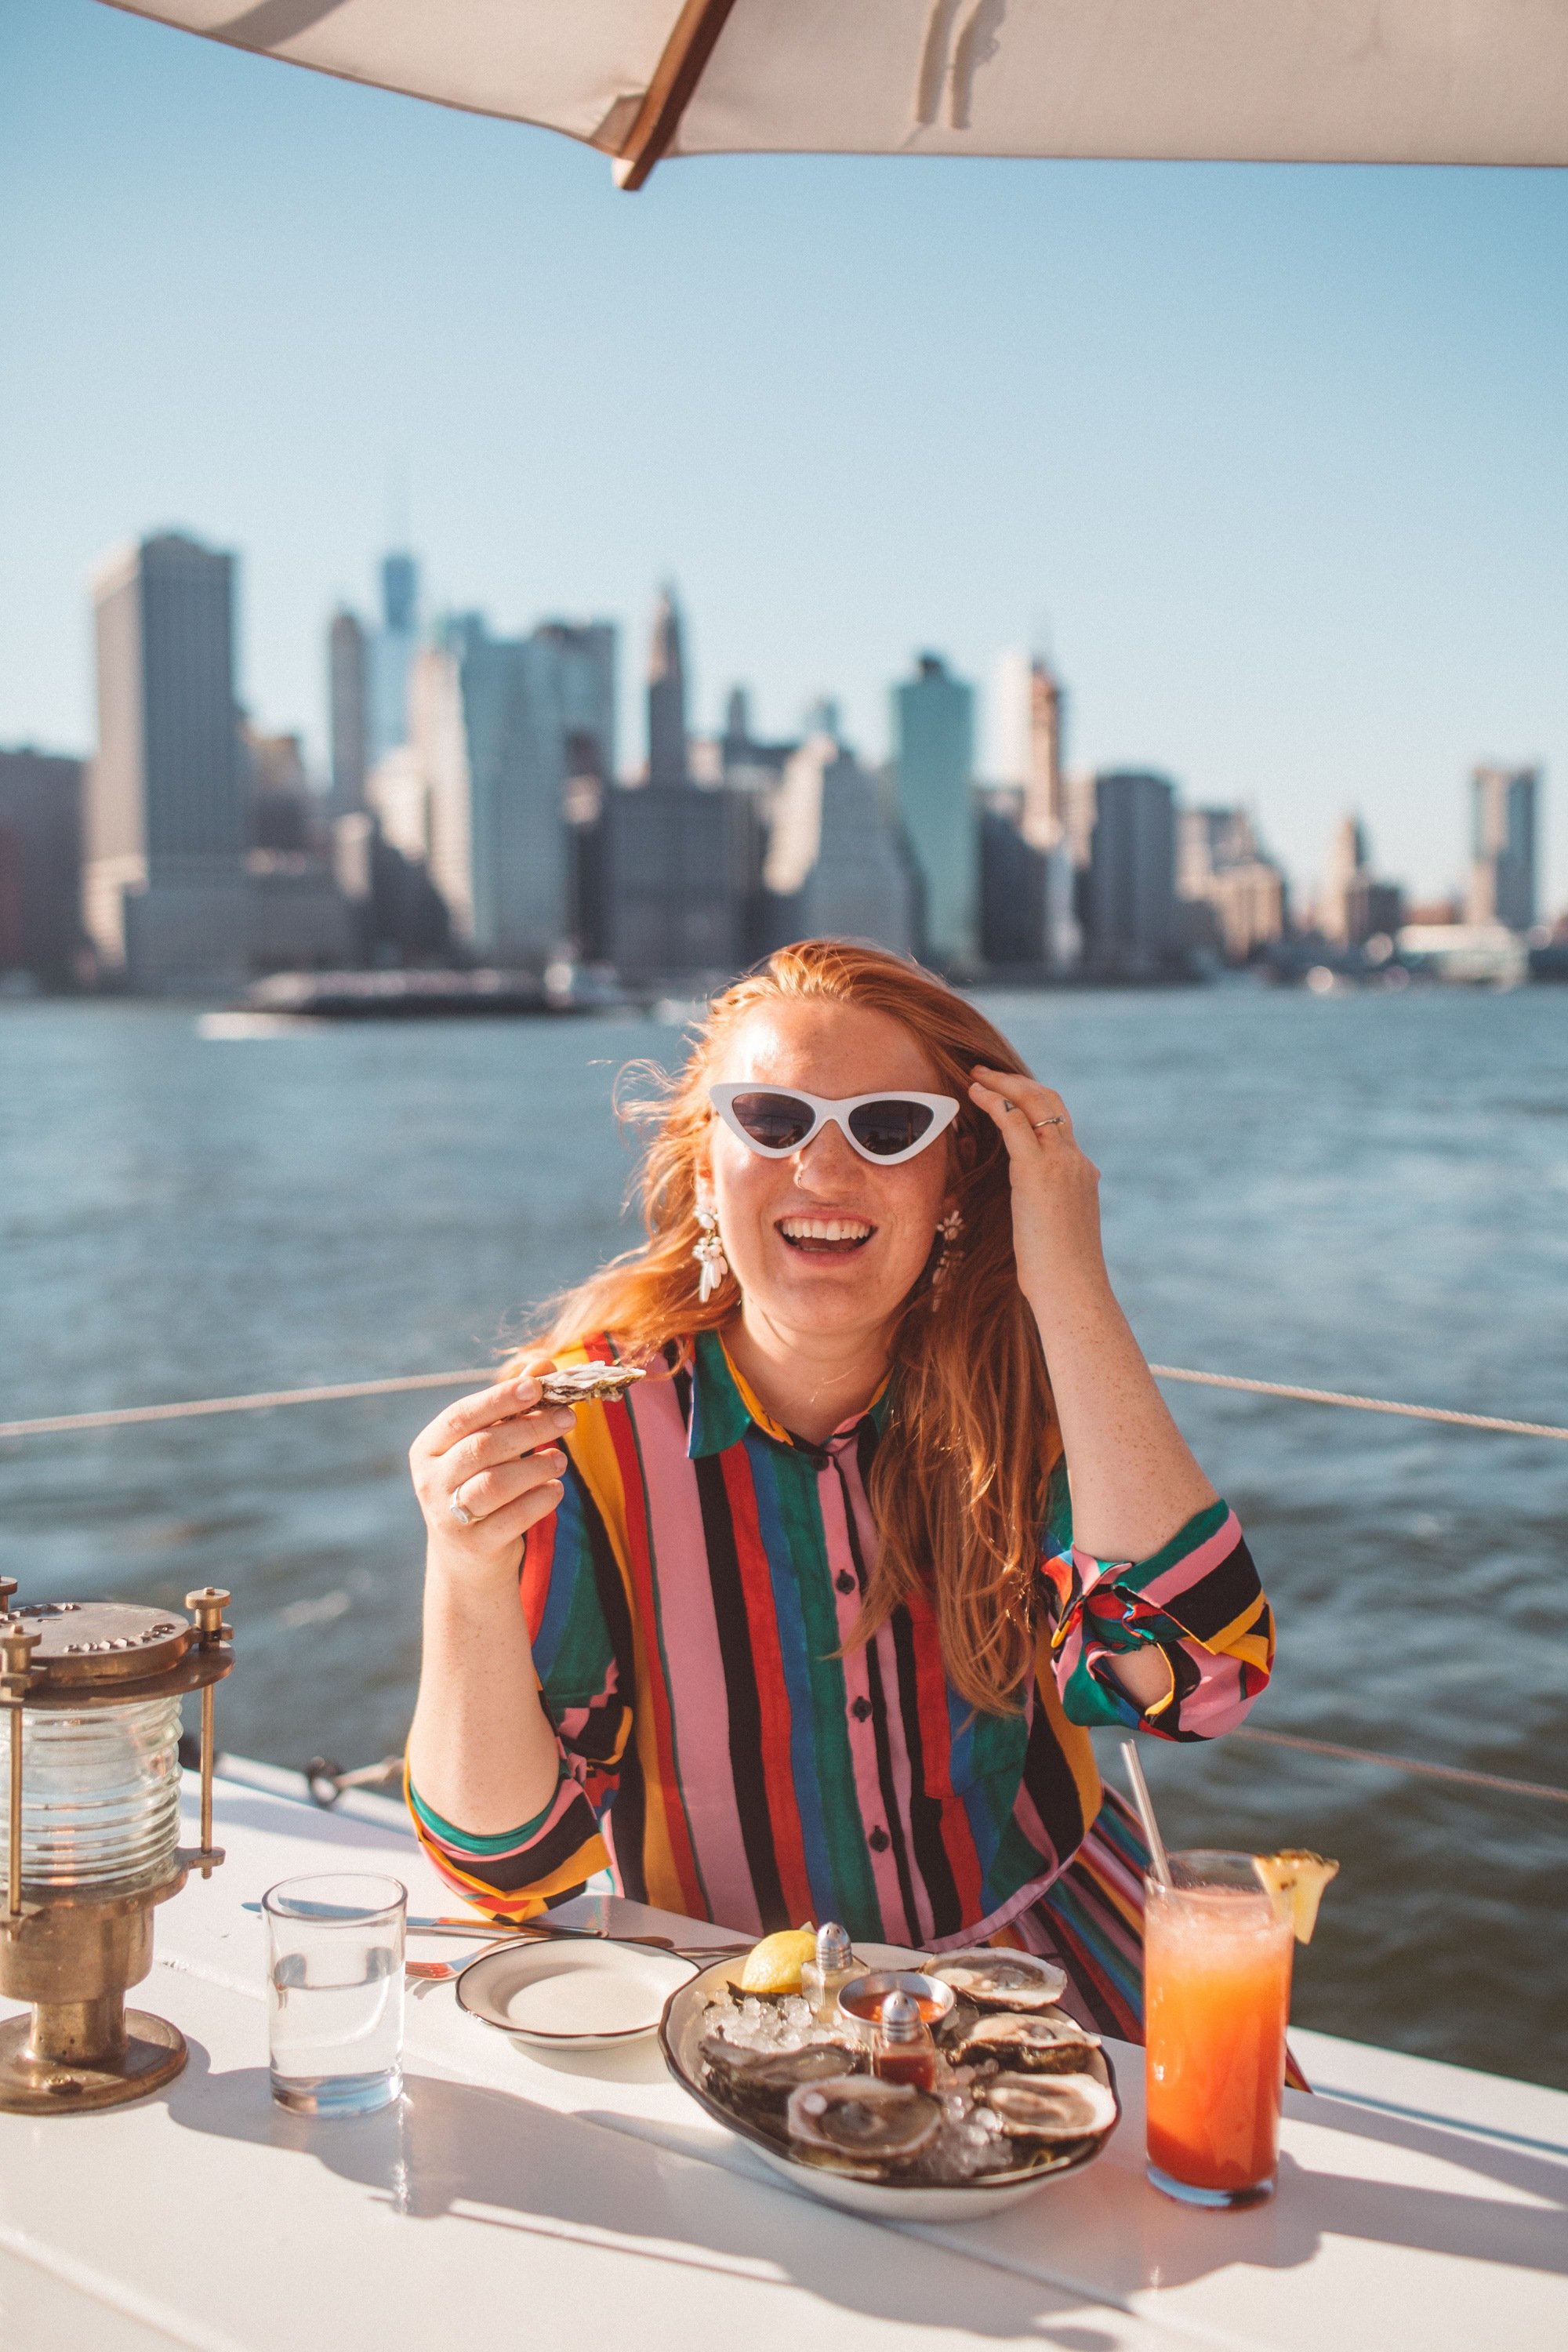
(420, 995)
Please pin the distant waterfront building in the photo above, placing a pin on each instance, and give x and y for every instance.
(164, 879)
(1013, 875)
(667, 752)
(507, 734)
(297, 916)
(1356, 904)
(40, 864)
(678, 854)
(1233, 900)
(391, 650)
(676, 866)
(1038, 927)
(933, 735)
(835, 865)
(282, 811)
(1128, 891)
(1503, 846)
(348, 698)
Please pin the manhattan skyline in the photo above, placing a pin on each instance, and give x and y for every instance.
(1271, 461)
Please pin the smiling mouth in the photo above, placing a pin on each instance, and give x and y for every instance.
(824, 1236)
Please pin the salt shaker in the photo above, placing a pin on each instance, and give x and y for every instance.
(834, 1966)
(904, 2052)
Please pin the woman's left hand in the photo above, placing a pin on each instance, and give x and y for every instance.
(1056, 1186)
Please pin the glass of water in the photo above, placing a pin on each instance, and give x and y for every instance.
(334, 1992)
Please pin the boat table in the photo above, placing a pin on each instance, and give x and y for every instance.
(515, 2199)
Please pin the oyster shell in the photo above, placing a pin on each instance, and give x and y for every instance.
(1050, 2042)
(1051, 2106)
(951, 2031)
(863, 2123)
(588, 1383)
(1001, 1979)
(760, 2082)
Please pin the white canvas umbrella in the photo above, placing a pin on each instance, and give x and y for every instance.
(1383, 81)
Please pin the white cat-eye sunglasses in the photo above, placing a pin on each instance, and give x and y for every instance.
(775, 1121)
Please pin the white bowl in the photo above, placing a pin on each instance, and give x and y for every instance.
(559, 1994)
(960, 2200)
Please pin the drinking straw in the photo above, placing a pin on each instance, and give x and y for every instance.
(1159, 1867)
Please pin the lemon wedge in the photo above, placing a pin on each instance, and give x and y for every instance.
(774, 1964)
(1296, 1880)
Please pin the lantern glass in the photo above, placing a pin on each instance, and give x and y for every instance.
(101, 1793)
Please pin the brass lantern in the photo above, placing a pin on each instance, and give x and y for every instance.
(89, 1706)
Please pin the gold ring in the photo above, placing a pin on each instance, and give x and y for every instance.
(1057, 1121)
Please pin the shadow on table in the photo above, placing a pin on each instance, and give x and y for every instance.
(451, 2148)
(1128, 2238)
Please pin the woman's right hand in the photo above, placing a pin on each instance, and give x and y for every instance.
(497, 1454)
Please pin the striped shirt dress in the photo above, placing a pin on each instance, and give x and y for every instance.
(727, 1751)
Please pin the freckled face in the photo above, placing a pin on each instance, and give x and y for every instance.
(825, 1239)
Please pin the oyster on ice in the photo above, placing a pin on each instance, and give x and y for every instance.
(760, 2082)
(865, 2126)
(1050, 2042)
(1050, 2106)
(1001, 1979)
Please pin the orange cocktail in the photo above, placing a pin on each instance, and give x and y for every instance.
(1216, 1991)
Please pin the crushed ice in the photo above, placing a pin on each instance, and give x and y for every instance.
(970, 2140)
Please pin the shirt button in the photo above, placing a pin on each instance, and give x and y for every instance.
(878, 1841)
(845, 1581)
(861, 1709)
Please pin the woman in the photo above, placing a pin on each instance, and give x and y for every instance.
(819, 1614)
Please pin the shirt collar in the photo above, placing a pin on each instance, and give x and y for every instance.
(724, 1406)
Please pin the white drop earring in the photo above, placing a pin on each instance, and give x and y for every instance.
(709, 1252)
(949, 1227)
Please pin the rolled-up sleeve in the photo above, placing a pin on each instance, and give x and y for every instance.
(572, 1596)
(1197, 1601)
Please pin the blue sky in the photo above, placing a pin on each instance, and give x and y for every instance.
(1276, 459)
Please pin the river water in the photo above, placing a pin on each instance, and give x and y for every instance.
(1364, 1192)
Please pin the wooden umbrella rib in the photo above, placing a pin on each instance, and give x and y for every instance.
(691, 43)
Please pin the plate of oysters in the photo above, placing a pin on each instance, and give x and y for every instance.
(922, 2088)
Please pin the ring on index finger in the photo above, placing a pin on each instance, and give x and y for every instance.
(1055, 1119)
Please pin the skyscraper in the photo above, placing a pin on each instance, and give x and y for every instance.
(1232, 898)
(163, 882)
(666, 761)
(677, 854)
(933, 732)
(1045, 806)
(40, 863)
(501, 729)
(1129, 896)
(1356, 906)
(391, 650)
(1027, 898)
(834, 867)
(348, 697)
(1503, 846)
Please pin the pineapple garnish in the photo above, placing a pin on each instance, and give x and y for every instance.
(1295, 1880)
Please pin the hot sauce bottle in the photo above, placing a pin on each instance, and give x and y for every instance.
(904, 2051)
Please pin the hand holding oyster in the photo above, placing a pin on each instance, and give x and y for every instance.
(589, 1383)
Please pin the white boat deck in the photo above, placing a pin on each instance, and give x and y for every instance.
(514, 2199)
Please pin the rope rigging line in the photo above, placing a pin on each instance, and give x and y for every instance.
(1402, 1763)
(128, 1416)
(327, 1780)
(1360, 1403)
